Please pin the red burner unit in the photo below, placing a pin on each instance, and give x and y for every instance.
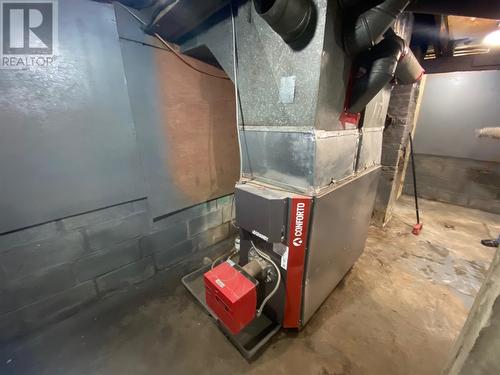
(231, 295)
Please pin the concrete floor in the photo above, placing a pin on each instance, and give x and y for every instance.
(397, 312)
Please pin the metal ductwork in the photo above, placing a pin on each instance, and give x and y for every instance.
(409, 69)
(289, 18)
(371, 25)
(309, 171)
(380, 64)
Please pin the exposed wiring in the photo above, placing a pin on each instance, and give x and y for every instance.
(231, 254)
(233, 213)
(273, 292)
(171, 48)
(236, 88)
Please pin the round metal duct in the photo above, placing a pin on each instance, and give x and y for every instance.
(289, 18)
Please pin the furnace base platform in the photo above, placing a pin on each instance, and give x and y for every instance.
(252, 338)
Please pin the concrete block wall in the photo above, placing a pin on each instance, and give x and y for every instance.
(464, 182)
(52, 270)
(400, 122)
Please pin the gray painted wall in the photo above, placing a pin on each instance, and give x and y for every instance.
(50, 271)
(68, 146)
(452, 164)
(67, 138)
(453, 106)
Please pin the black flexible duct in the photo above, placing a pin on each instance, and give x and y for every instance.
(409, 69)
(380, 65)
(289, 18)
(371, 25)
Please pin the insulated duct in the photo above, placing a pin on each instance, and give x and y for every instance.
(380, 65)
(409, 69)
(289, 18)
(371, 25)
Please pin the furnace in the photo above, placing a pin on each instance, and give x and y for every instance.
(313, 82)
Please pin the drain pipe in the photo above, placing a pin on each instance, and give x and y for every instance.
(289, 18)
(380, 64)
(371, 25)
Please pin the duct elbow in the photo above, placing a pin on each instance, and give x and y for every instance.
(383, 63)
(288, 18)
(370, 26)
(409, 69)
(365, 90)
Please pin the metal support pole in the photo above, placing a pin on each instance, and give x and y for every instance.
(414, 177)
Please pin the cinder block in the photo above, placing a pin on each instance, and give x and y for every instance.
(431, 165)
(39, 286)
(29, 235)
(100, 216)
(388, 173)
(483, 174)
(116, 231)
(58, 306)
(212, 236)
(384, 192)
(141, 205)
(160, 241)
(205, 222)
(175, 254)
(225, 201)
(391, 156)
(104, 261)
(441, 195)
(228, 213)
(128, 275)
(23, 261)
(489, 205)
(395, 133)
(483, 192)
(185, 215)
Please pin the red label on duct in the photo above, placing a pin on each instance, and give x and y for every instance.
(297, 244)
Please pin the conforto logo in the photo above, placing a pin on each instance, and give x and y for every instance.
(299, 224)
